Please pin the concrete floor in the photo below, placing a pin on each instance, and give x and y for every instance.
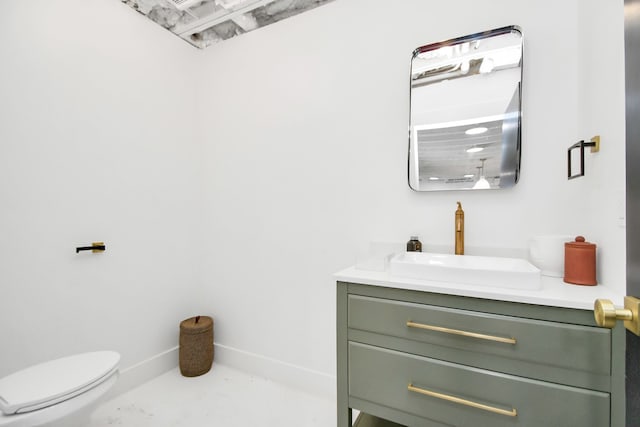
(224, 397)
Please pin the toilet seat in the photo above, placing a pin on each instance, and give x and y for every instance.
(52, 382)
(74, 412)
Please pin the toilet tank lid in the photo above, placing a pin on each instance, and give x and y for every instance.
(33, 387)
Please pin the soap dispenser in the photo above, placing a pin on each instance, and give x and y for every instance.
(414, 245)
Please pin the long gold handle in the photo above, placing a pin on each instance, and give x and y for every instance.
(448, 398)
(459, 332)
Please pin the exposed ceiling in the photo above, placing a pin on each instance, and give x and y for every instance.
(205, 22)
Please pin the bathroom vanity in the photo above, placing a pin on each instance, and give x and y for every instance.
(425, 353)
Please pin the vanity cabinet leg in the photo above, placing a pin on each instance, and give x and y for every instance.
(344, 418)
(343, 412)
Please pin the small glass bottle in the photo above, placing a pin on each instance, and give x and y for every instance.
(414, 245)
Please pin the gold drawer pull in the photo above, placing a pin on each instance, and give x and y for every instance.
(511, 413)
(459, 332)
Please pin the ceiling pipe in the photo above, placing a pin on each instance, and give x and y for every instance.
(186, 30)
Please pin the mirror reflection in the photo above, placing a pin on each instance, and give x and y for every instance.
(464, 130)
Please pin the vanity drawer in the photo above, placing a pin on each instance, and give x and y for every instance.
(574, 354)
(464, 396)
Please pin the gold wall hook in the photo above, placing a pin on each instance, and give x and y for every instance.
(606, 314)
(99, 247)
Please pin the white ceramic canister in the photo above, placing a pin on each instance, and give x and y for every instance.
(547, 253)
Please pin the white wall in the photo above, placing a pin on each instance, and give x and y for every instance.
(97, 143)
(601, 94)
(305, 132)
(262, 165)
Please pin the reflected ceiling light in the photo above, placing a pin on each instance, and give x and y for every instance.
(481, 183)
(469, 175)
(486, 66)
(476, 131)
(433, 178)
(474, 149)
(464, 67)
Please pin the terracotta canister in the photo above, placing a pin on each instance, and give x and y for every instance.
(580, 262)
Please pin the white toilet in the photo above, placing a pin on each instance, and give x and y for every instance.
(59, 393)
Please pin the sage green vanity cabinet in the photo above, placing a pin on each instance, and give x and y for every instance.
(428, 359)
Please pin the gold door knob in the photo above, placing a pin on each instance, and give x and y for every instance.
(606, 314)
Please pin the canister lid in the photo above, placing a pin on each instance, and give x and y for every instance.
(580, 243)
(196, 324)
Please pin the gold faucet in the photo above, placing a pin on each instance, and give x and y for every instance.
(459, 230)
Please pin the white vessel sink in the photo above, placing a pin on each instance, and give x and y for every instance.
(467, 269)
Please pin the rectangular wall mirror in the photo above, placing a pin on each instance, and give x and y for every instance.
(465, 120)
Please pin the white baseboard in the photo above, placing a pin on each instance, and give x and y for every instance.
(304, 379)
(301, 378)
(144, 371)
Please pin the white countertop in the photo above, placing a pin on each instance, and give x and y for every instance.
(554, 291)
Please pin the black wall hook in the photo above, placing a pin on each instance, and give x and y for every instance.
(95, 247)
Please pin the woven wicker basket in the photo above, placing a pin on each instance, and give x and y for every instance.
(196, 346)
